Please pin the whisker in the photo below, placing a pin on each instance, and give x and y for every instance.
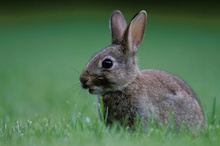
(76, 71)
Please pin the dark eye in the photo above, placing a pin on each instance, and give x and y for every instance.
(107, 63)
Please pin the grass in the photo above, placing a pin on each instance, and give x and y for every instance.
(41, 102)
(47, 131)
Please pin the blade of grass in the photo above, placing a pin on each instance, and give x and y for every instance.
(213, 115)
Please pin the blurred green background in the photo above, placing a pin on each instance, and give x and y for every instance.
(44, 46)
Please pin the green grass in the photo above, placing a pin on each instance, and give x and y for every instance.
(41, 57)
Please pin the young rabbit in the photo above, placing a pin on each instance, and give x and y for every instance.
(127, 92)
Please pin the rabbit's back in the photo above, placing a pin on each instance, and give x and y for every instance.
(164, 83)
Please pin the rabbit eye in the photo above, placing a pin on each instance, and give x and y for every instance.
(107, 63)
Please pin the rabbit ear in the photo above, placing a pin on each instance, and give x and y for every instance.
(117, 26)
(135, 31)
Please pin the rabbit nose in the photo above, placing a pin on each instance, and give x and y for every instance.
(83, 81)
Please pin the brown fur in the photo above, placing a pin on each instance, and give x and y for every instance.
(128, 92)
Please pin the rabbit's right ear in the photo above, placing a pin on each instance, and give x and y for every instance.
(117, 26)
(135, 32)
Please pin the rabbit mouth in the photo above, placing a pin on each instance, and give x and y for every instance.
(95, 90)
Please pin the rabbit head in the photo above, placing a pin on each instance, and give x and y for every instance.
(115, 66)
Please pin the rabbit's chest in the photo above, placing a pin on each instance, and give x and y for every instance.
(119, 107)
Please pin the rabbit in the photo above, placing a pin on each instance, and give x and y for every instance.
(130, 94)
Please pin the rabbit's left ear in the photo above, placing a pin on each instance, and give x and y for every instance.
(135, 31)
(117, 26)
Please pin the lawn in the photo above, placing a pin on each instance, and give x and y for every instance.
(42, 55)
